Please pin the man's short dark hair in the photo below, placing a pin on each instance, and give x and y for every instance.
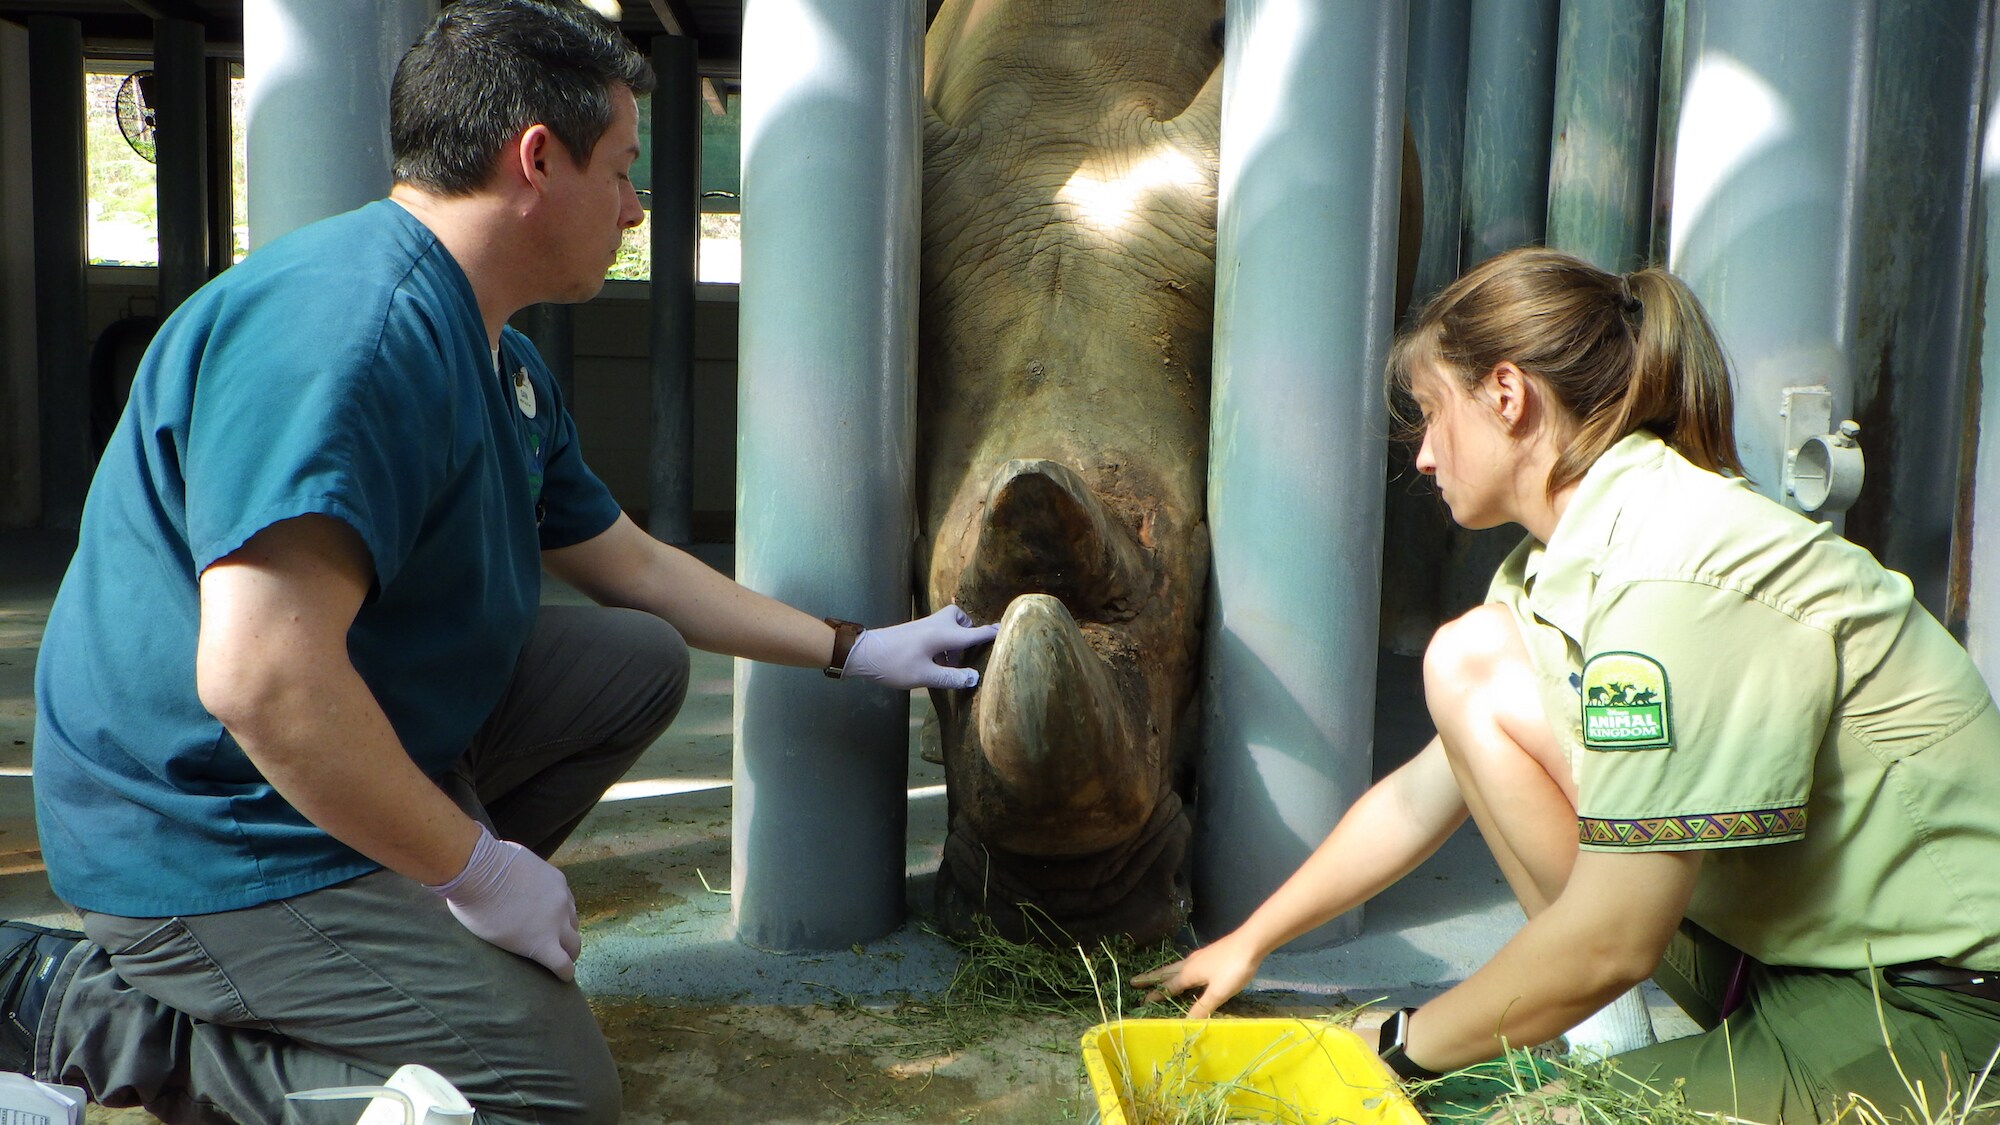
(486, 69)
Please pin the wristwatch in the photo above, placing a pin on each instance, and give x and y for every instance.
(1393, 1042)
(845, 633)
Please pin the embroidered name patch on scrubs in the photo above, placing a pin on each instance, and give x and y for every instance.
(1625, 703)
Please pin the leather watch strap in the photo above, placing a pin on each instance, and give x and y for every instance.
(845, 633)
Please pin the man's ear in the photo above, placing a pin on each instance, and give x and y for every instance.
(528, 157)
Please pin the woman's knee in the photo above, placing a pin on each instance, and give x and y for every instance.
(1469, 652)
(1484, 695)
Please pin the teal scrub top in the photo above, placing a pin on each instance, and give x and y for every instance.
(342, 370)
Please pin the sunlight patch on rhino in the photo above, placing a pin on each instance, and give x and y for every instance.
(1107, 195)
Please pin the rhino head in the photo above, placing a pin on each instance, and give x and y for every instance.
(1067, 293)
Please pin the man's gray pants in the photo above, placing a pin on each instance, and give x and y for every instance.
(215, 1017)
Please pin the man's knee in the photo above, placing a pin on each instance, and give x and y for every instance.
(552, 1065)
(584, 1095)
(655, 671)
(591, 1097)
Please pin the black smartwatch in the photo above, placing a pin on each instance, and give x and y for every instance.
(1393, 1044)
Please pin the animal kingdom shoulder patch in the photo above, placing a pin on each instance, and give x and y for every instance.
(1625, 703)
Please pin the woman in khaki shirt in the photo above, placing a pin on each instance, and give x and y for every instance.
(1706, 739)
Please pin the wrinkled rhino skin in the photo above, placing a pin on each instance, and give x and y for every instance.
(1068, 266)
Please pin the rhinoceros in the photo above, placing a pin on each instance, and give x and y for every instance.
(1068, 264)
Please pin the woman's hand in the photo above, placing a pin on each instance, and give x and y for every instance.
(1220, 970)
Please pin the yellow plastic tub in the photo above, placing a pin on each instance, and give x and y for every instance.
(1285, 1071)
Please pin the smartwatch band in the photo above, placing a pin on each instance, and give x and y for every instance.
(1393, 1047)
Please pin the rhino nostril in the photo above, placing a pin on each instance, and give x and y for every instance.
(1045, 531)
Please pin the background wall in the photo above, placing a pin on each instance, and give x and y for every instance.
(614, 400)
(612, 403)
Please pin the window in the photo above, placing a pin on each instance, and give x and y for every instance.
(239, 188)
(122, 187)
(121, 204)
(718, 256)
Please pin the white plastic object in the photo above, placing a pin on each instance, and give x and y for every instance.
(414, 1095)
(1828, 471)
(28, 1102)
(1620, 1026)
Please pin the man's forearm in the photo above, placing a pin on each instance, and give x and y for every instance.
(625, 567)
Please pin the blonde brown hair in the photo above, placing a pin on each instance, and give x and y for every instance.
(1620, 352)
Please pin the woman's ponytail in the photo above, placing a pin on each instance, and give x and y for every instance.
(1680, 380)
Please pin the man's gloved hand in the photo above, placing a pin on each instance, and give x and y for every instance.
(512, 898)
(905, 656)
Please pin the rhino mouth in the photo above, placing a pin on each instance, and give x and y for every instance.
(1050, 759)
(1056, 772)
(1063, 827)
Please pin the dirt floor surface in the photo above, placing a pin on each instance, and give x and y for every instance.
(822, 1064)
(838, 1064)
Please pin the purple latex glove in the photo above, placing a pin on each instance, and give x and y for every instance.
(513, 898)
(905, 656)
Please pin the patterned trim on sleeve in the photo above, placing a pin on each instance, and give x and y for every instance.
(1758, 826)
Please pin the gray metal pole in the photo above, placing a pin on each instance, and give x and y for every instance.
(676, 228)
(1305, 283)
(1509, 105)
(180, 87)
(825, 493)
(20, 395)
(318, 102)
(62, 244)
(1415, 529)
(1769, 171)
(1980, 549)
(1919, 254)
(1607, 104)
(1434, 97)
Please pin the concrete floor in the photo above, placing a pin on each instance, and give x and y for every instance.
(650, 866)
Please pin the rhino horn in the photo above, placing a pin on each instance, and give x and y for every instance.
(1053, 729)
(1044, 531)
